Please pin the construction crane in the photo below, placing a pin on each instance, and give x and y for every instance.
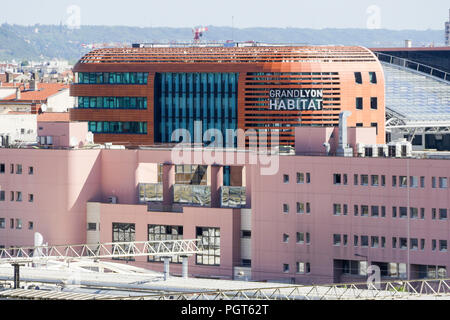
(198, 33)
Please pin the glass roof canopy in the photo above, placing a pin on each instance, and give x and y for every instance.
(415, 96)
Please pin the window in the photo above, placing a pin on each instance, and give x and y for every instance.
(433, 245)
(373, 77)
(368, 152)
(355, 179)
(11, 223)
(308, 267)
(308, 208)
(374, 210)
(2, 168)
(246, 262)
(383, 242)
(91, 226)
(413, 182)
(364, 180)
(413, 244)
(383, 180)
(364, 241)
(358, 78)
(300, 267)
(383, 211)
(394, 212)
(162, 233)
(308, 238)
(336, 239)
(345, 239)
(336, 209)
(300, 207)
(443, 183)
(285, 238)
(374, 179)
(403, 212)
(2, 195)
(364, 211)
(355, 209)
(345, 210)
(30, 197)
(394, 243)
(374, 241)
(300, 177)
(373, 103)
(422, 244)
(124, 232)
(403, 243)
(403, 181)
(18, 223)
(11, 168)
(30, 170)
(18, 196)
(285, 268)
(443, 245)
(359, 103)
(394, 181)
(245, 234)
(18, 169)
(210, 239)
(285, 178)
(433, 182)
(11, 195)
(422, 182)
(308, 177)
(442, 214)
(285, 208)
(355, 241)
(433, 213)
(359, 124)
(2, 223)
(414, 213)
(30, 225)
(300, 237)
(337, 178)
(422, 213)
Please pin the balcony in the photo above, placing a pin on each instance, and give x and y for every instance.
(195, 195)
(232, 197)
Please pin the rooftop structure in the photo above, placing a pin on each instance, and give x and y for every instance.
(140, 96)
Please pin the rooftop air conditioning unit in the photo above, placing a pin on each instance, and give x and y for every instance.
(112, 199)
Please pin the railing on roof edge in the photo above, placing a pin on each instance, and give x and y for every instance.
(412, 65)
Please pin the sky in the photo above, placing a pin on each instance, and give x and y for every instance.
(316, 14)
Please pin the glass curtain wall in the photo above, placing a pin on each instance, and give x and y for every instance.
(182, 99)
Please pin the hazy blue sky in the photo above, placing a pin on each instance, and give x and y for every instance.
(387, 14)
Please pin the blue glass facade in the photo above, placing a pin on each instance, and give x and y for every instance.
(112, 77)
(181, 99)
(112, 102)
(118, 127)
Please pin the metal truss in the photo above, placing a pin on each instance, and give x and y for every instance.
(388, 290)
(102, 250)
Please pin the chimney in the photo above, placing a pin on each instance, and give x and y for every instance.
(18, 93)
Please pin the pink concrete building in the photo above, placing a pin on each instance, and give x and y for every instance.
(317, 219)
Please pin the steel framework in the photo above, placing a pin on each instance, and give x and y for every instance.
(112, 250)
(387, 290)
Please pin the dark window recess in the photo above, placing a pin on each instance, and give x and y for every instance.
(358, 78)
(359, 103)
(374, 103)
(372, 77)
(375, 125)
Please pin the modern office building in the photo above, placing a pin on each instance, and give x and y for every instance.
(139, 96)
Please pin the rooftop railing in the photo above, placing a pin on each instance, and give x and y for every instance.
(412, 65)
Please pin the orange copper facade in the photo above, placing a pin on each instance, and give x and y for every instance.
(330, 68)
